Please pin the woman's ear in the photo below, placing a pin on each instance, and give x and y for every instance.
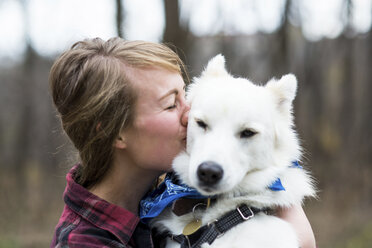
(120, 142)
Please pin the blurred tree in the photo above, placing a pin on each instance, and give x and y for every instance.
(365, 130)
(25, 93)
(280, 44)
(347, 116)
(174, 32)
(119, 17)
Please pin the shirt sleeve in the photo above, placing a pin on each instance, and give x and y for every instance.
(92, 237)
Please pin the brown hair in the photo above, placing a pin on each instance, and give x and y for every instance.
(95, 99)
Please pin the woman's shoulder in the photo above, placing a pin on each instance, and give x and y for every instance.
(77, 232)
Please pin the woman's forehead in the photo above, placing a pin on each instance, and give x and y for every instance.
(155, 81)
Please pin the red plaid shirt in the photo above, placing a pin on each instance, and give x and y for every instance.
(89, 221)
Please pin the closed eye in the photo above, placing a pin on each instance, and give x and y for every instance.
(201, 124)
(171, 107)
(247, 133)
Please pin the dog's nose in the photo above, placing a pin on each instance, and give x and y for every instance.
(209, 173)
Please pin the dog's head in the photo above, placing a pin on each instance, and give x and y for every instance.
(239, 134)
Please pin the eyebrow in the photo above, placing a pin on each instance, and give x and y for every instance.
(172, 91)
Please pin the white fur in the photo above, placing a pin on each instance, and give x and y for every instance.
(228, 106)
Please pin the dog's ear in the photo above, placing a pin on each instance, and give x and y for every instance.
(215, 67)
(284, 90)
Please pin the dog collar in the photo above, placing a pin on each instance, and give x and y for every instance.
(184, 206)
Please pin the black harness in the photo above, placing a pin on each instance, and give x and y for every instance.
(215, 229)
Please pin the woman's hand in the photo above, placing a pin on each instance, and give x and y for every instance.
(296, 216)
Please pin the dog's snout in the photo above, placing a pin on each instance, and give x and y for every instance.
(209, 173)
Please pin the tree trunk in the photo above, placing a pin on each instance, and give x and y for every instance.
(174, 33)
(119, 18)
(280, 52)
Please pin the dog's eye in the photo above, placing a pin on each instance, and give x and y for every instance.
(201, 124)
(247, 133)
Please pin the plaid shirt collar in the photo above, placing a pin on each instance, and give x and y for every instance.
(99, 212)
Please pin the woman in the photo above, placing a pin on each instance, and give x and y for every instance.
(122, 104)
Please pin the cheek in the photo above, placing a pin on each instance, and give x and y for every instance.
(159, 140)
(161, 127)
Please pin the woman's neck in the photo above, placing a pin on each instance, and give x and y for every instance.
(125, 184)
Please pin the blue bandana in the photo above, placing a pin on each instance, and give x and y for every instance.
(277, 184)
(170, 190)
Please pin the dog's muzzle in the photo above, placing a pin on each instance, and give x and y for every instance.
(209, 173)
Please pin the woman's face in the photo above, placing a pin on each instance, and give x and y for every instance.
(158, 133)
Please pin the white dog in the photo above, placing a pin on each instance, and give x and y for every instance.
(240, 140)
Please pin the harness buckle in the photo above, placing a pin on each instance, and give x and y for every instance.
(245, 217)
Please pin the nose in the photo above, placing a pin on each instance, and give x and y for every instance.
(185, 115)
(209, 173)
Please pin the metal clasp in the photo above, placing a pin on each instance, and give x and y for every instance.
(245, 217)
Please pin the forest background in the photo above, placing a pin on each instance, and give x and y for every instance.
(324, 43)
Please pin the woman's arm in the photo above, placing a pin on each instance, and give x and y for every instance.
(296, 216)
